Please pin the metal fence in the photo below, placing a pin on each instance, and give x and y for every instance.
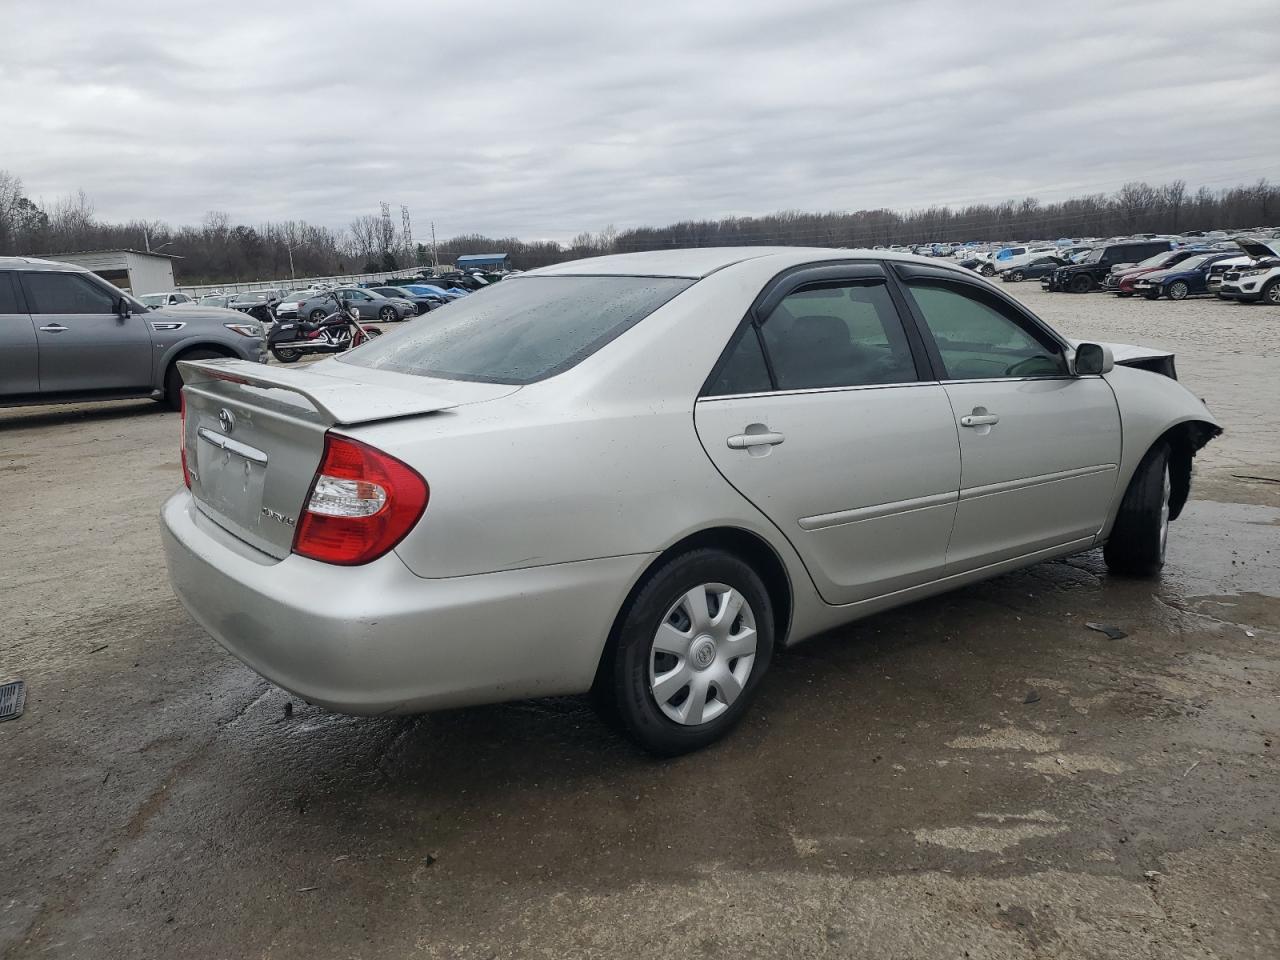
(302, 283)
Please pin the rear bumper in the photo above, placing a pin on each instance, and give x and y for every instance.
(379, 639)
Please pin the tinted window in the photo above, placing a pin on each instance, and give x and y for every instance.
(838, 335)
(522, 330)
(66, 293)
(744, 369)
(979, 337)
(9, 295)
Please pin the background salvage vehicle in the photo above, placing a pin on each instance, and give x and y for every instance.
(635, 475)
(1091, 272)
(1185, 279)
(424, 302)
(1037, 268)
(1259, 281)
(67, 335)
(370, 305)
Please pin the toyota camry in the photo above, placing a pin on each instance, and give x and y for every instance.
(642, 475)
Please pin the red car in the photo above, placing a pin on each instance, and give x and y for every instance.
(1121, 282)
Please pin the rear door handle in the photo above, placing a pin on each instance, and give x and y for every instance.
(979, 420)
(744, 440)
(54, 328)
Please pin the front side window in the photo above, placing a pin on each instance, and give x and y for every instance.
(979, 337)
(842, 334)
(522, 330)
(66, 293)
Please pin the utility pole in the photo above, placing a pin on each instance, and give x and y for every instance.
(435, 259)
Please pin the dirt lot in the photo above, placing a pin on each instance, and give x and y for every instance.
(899, 790)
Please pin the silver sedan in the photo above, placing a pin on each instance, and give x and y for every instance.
(641, 475)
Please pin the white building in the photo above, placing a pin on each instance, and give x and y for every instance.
(131, 270)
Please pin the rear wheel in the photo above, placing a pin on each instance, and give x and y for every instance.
(1136, 547)
(1081, 284)
(173, 377)
(286, 354)
(690, 650)
(1178, 290)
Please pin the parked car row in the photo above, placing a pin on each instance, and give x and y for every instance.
(1155, 269)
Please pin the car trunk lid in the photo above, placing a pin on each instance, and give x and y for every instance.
(254, 435)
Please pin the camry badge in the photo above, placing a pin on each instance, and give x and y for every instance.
(226, 420)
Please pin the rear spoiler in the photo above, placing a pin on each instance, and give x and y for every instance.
(340, 401)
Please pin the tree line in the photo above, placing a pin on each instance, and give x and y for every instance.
(219, 251)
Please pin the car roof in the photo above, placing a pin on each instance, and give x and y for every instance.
(36, 263)
(695, 263)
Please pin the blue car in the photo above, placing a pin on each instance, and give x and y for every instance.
(1186, 278)
(431, 290)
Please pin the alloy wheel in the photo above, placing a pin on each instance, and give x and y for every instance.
(702, 654)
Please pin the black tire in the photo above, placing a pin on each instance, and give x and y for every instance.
(1018, 276)
(987, 270)
(1178, 290)
(1271, 294)
(1153, 293)
(173, 377)
(1081, 283)
(286, 354)
(1136, 547)
(623, 682)
(388, 315)
(1124, 294)
(315, 316)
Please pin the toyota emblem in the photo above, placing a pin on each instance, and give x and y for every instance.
(226, 420)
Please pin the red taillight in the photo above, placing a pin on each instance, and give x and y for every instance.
(361, 504)
(182, 440)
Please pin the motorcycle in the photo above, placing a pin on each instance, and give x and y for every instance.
(341, 330)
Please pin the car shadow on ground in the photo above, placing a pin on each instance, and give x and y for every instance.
(30, 418)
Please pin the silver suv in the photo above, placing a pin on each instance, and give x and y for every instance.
(68, 335)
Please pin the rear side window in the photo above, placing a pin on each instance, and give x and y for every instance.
(66, 293)
(520, 331)
(843, 334)
(9, 295)
(744, 369)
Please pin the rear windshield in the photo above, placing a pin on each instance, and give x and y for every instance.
(520, 331)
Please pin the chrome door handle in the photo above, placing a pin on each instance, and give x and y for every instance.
(54, 328)
(979, 420)
(744, 440)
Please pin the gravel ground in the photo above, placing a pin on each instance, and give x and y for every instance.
(976, 775)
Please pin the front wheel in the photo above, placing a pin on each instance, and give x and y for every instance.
(1136, 547)
(988, 270)
(690, 650)
(1018, 276)
(1178, 290)
(388, 315)
(286, 354)
(1271, 293)
(1081, 284)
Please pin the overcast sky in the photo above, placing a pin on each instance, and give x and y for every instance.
(542, 119)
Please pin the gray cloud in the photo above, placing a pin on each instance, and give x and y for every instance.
(540, 120)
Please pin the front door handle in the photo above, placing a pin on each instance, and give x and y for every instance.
(743, 441)
(54, 328)
(979, 420)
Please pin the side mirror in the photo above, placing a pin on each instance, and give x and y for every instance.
(1093, 358)
(123, 310)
